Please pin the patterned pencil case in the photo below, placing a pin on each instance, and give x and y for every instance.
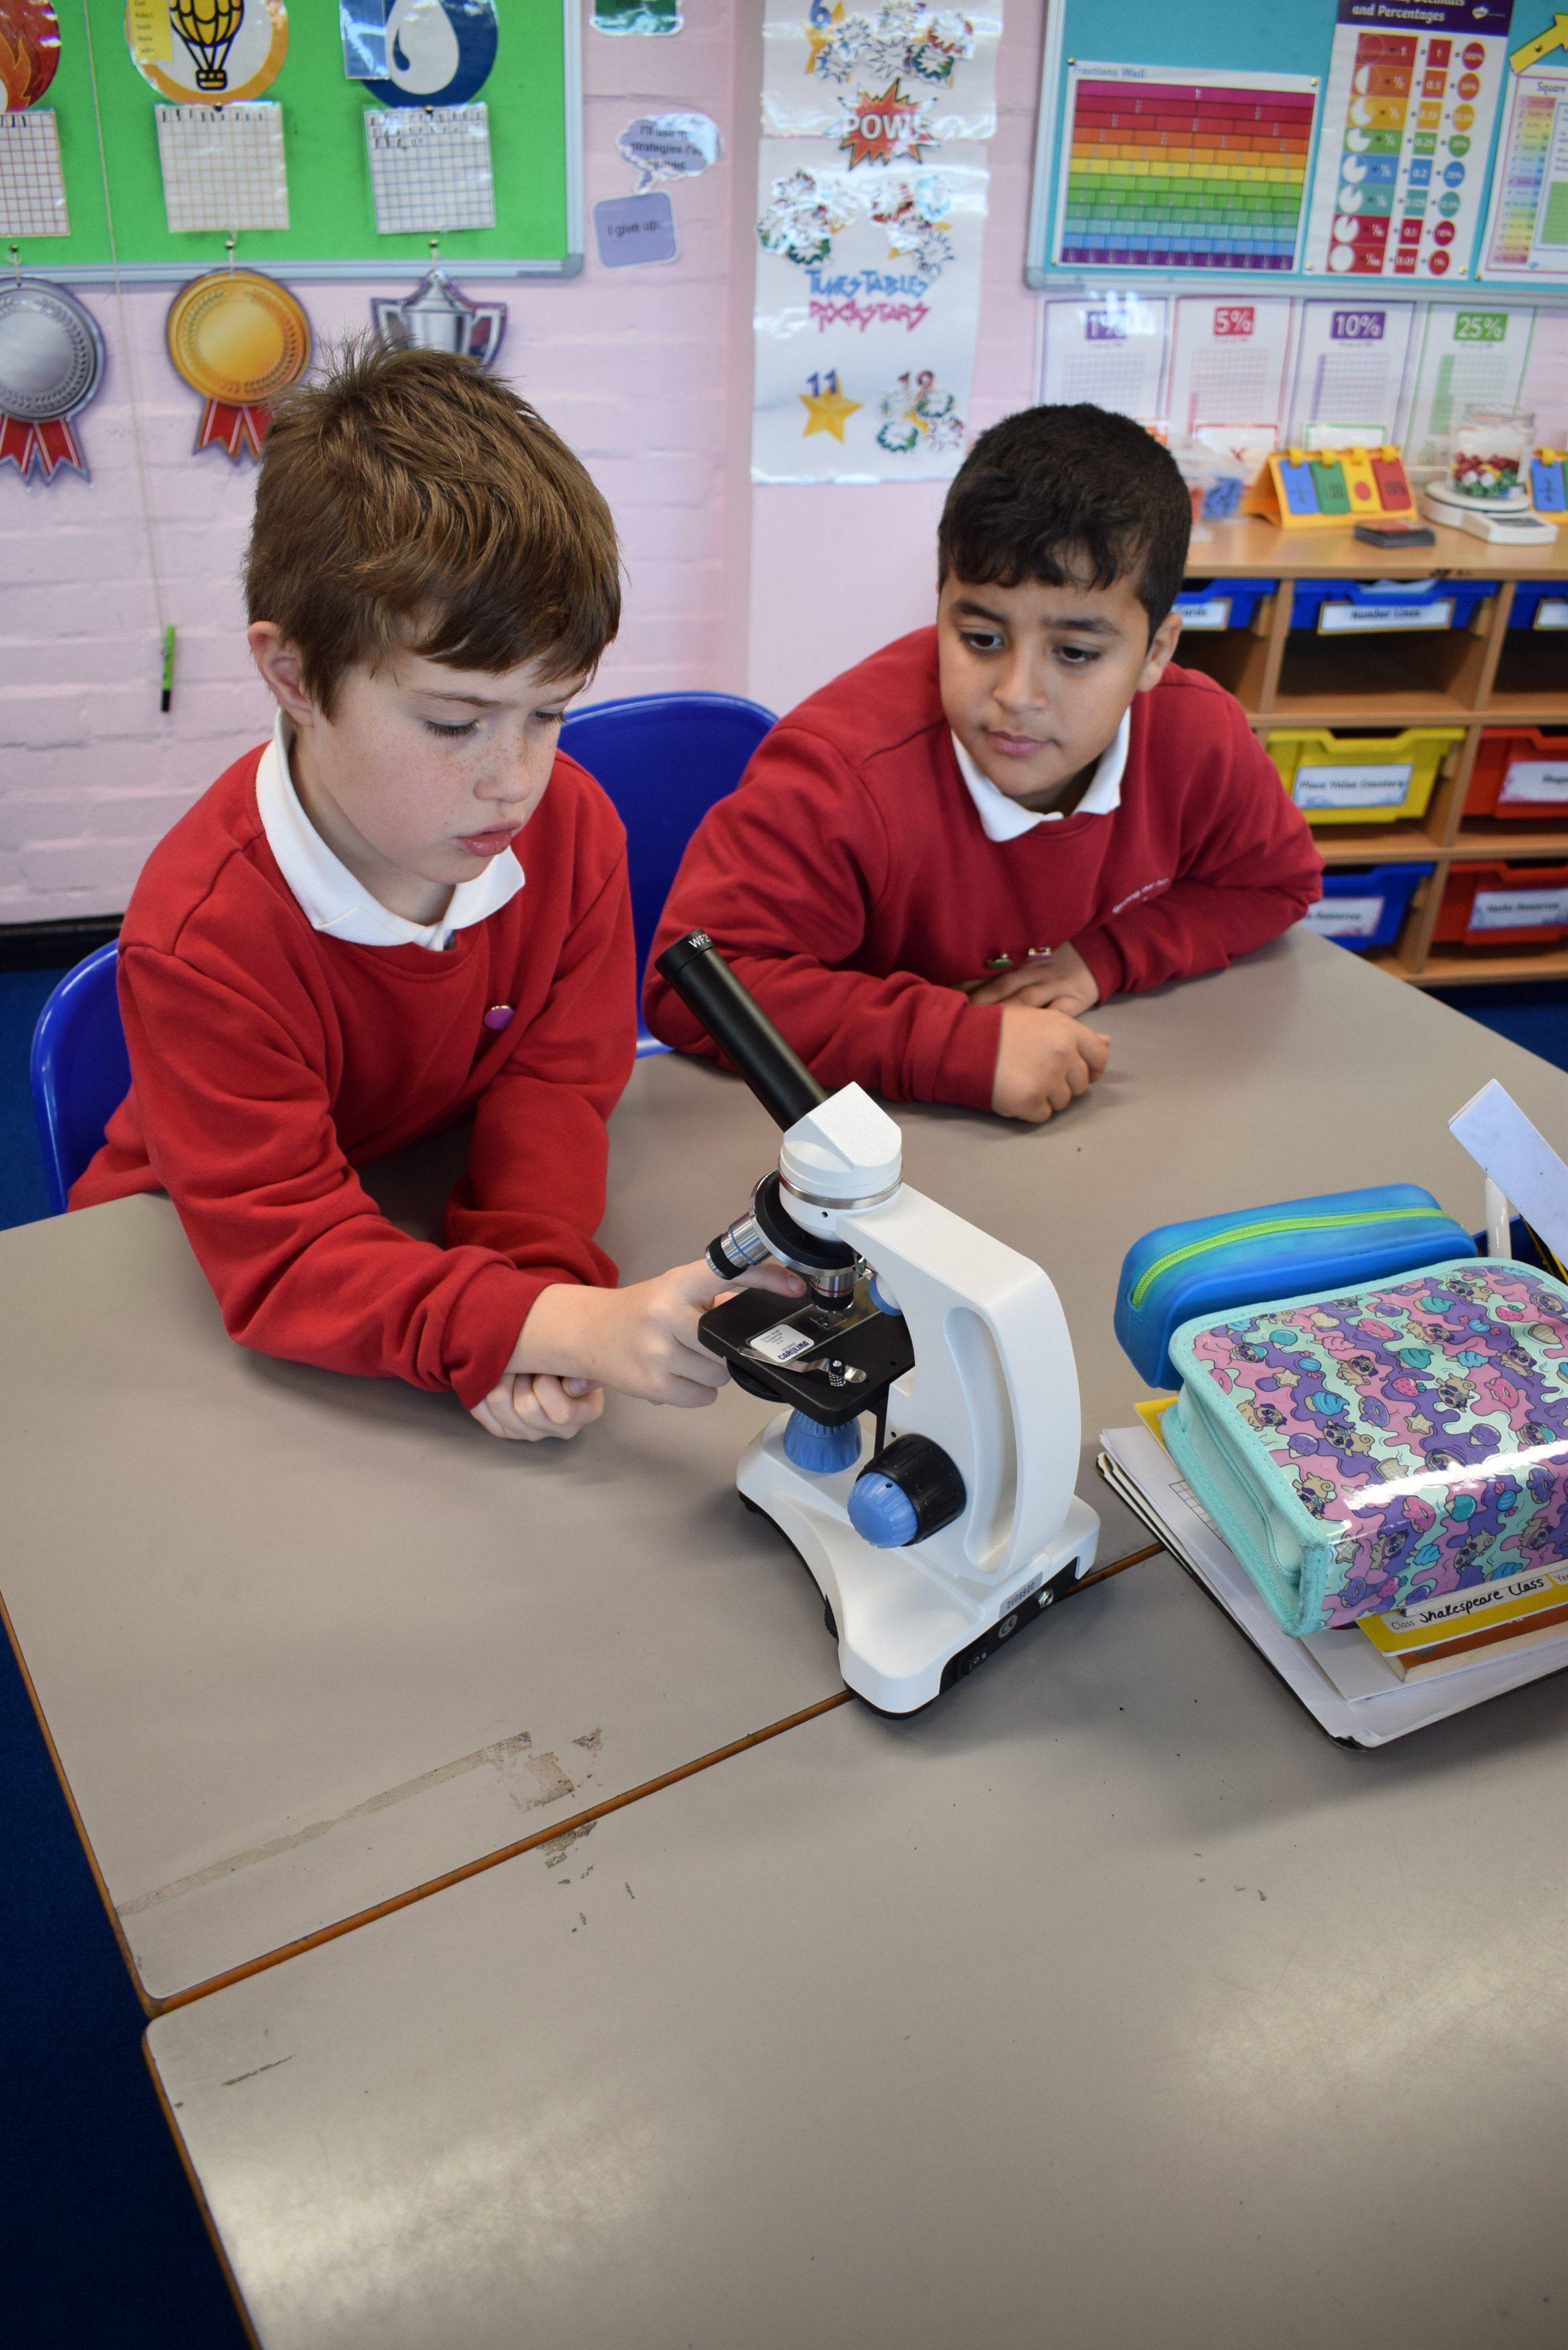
(1381, 1444)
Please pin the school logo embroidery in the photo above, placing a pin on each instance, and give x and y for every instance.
(880, 130)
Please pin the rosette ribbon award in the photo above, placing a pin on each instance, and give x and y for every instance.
(239, 340)
(51, 365)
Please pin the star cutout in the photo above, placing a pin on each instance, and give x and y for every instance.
(819, 38)
(827, 412)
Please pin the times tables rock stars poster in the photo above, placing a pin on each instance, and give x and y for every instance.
(1413, 89)
(872, 181)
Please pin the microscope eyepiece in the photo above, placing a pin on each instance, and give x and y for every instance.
(739, 1027)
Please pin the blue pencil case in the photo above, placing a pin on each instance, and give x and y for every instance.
(1212, 1264)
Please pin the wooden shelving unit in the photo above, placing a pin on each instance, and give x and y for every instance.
(1474, 677)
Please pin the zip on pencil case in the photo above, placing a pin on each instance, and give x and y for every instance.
(1366, 1448)
(1213, 1262)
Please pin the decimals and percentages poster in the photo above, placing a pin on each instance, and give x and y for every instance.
(1413, 91)
(872, 185)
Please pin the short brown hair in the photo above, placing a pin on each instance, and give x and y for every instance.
(406, 498)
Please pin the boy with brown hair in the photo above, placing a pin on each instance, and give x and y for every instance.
(340, 949)
(935, 867)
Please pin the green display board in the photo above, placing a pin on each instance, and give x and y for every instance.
(535, 102)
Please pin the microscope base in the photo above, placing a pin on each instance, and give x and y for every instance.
(906, 1631)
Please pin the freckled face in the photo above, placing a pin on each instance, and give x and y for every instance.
(422, 773)
(1034, 679)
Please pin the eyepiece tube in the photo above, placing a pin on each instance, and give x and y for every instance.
(739, 1027)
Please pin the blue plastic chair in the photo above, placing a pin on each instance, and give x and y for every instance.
(80, 1069)
(664, 759)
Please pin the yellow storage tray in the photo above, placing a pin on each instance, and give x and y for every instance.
(1337, 778)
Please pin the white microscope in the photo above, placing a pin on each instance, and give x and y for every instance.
(963, 1526)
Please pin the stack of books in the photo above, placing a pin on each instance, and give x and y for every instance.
(1384, 1675)
(1457, 1628)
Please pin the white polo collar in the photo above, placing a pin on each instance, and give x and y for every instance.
(333, 900)
(1004, 819)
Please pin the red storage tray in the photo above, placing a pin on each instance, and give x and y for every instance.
(1541, 756)
(1502, 890)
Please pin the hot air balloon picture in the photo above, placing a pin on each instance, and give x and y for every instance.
(208, 52)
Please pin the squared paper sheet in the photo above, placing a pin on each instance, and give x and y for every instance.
(429, 168)
(1109, 348)
(222, 166)
(1351, 364)
(32, 193)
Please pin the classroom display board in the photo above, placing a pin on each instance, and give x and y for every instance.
(1416, 144)
(1226, 380)
(325, 137)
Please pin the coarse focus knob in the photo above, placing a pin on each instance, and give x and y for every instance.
(910, 1491)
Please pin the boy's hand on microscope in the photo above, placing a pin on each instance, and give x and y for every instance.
(1045, 1059)
(527, 1407)
(1062, 979)
(642, 1340)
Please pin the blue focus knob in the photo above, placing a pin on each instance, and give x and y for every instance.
(819, 1449)
(910, 1491)
(880, 1512)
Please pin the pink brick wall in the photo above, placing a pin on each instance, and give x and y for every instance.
(647, 373)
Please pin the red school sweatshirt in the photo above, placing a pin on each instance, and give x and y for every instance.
(267, 1059)
(851, 885)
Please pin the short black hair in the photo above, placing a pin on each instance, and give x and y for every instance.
(1056, 494)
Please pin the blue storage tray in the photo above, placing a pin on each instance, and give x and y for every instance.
(1311, 595)
(1250, 1256)
(1529, 595)
(1244, 596)
(1395, 884)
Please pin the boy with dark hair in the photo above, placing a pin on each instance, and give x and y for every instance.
(933, 867)
(340, 949)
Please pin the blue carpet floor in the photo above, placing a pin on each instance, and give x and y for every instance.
(100, 2241)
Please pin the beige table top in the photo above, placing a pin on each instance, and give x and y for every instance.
(1104, 2004)
(304, 1644)
(1256, 548)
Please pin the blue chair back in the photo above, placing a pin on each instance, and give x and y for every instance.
(80, 1069)
(664, 759)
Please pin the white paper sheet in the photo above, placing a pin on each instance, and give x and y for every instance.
(222, 166)
(1351, 361)
(1227, 364)
(32, 193)
(1477, 354)
(1110, 350)
(429, 168)
(867, 304)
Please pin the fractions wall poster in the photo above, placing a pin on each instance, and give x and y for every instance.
(1351, 362)
(1527, 233)
(1168, 172)
(1401, 172)
(872, 180)
(1110, 350)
